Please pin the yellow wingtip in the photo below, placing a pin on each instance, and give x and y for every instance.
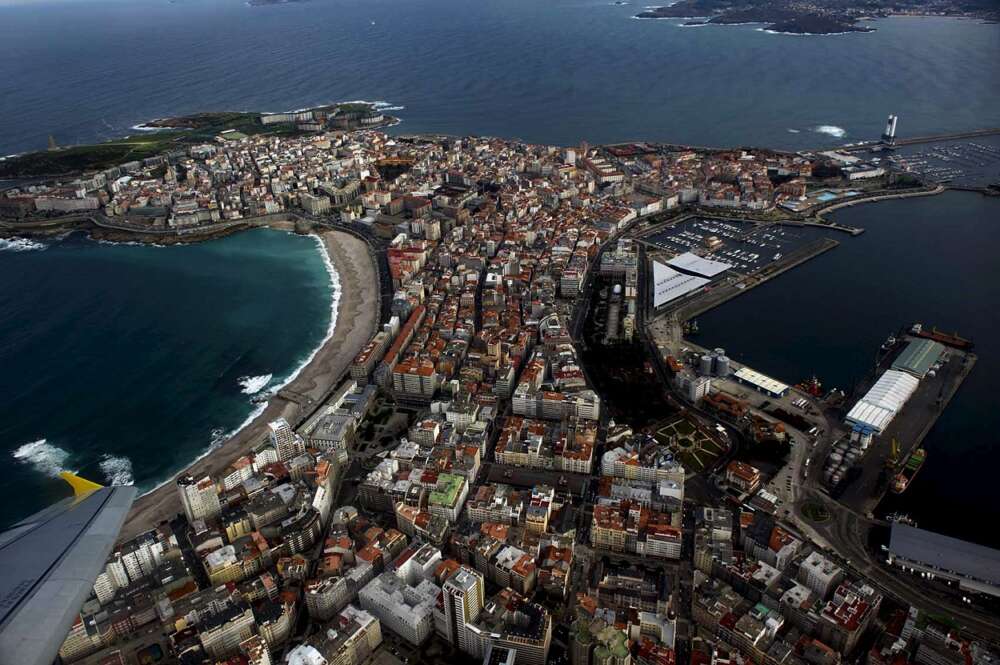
(81, 486)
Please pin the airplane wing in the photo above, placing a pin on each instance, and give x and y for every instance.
(48, 564)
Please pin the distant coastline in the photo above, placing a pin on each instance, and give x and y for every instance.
(784, 17)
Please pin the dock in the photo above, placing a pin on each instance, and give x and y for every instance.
(873, 476)
(704, 301)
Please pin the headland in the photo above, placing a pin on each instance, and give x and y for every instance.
(792, 18)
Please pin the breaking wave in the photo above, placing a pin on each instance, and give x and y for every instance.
(21, 245)
(830, 130)
(251, 385)
(117, 470)
(43, 456)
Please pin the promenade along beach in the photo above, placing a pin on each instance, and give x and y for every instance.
(356, 320)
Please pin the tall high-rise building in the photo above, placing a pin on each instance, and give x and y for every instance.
(200, 498)
(464, 596)
(284, 440)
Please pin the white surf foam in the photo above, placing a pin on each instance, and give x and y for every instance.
(129, 243)
(830, 130)
(117, 470)
(21, 245)
(251, 385)
(147, 128)
(808, 34)
(334, 307)
(43, 456)
(794, 131)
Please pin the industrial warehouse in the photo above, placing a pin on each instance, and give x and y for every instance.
(873, 412)
(974, 567)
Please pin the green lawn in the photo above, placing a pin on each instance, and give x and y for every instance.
(204, 127)
(695, 449)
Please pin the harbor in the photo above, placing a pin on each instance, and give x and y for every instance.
(864, 441)
(747, 254)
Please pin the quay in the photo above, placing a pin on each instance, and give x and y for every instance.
(723, 293)
(919, 140)
(872, 478)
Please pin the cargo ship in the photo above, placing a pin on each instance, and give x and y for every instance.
(905, 476)
(948, 339)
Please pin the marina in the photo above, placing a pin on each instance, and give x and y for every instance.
(972, 163)
(746, 246)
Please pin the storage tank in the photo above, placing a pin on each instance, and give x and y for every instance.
(618, 289)
(705, 365)
(722, 366)
(720, 351)
(836, 457)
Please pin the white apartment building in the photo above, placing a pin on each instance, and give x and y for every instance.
(406, 610)
(820, 574)
(200, 498)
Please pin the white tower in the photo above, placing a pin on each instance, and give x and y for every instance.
(889, 136)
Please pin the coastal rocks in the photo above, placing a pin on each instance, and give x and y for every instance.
(303, 226)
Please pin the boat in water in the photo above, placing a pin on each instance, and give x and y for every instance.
(905, 476)
(948, 339)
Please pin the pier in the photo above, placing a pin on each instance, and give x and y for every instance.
(917, 140)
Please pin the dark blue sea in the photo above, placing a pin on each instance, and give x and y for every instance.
(137, 353)
(556, 71)
(125, 363)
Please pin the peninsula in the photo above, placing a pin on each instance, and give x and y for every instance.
(791, 17)
(464, 472)
(173, 136)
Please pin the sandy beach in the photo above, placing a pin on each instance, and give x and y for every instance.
(357, 320)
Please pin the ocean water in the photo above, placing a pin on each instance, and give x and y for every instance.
(124, 363)
(931, 260)
(556, 71)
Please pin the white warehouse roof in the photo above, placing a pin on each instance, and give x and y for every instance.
(691, 262)
(884, 400)
(668, 284)
(760, 381)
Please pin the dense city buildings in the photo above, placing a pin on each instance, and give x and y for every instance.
(464, 491)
